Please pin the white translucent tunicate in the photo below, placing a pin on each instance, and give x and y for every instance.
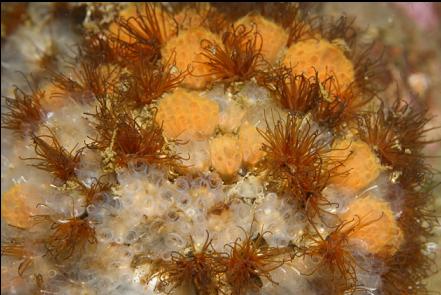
(432, 247)
(89, 167)
(254, 93)
(86, 276)
(138, 248)
(190, 212)
(184, 228)
(52, 273)
(167, 194)
(138, 169)
(215, 181)
(289, 281)
(174, 240)
(156, 177)
(91, 209)
(218, 94)
(116, 203)
(105, 235)
(201, 182)
(182, 184)
(196, 155)
(281, 219)
(119, 240)
(183, 201)
(248, 188)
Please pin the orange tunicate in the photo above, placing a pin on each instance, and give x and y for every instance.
(18, 203)
(250, 142)
(130, 14)
(187, 115)
(226, 157)
(319, 55)
(377, 228)
(359, 164)
(188, 52)
(274, 37)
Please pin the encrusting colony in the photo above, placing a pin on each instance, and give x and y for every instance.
(196, 149)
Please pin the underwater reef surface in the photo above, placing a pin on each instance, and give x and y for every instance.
(220, 148)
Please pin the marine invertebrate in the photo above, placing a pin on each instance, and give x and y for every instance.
(198, 270)
(68, 236)
(125, 137)
(188, 46)
(311, 56)
(407, 269)
(150, 27)
(337, 106)
(226, 157)
(335, 253)
(296, 162)
(86, 82)
(24, 111)
(349, 77)
(54, 158)
(416, 206)
(15, 248)
(149, 81)
(295, 92)
(382, 238)
(94, 193)
(239, 58)
(187, 115)
(131, 141)
(398, 138)
(272, 35)
(250, 142)
(359, 165)
(249, 261)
